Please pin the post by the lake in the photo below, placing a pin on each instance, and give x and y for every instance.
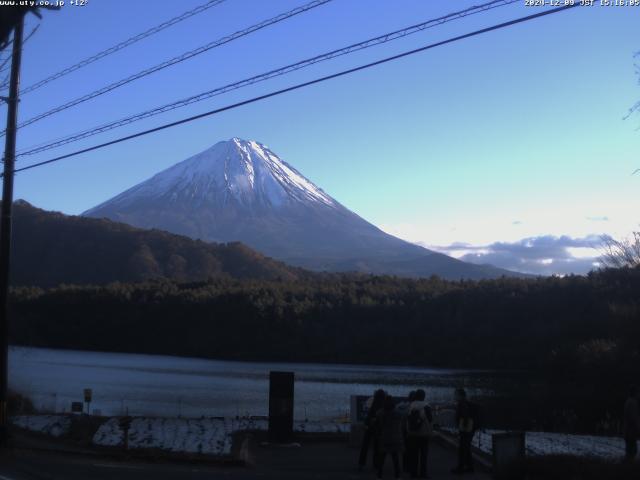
(88, 394)
(281, 392)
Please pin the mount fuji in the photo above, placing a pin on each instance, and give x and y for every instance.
(240, 190)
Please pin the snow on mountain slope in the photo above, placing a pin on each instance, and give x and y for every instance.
(244, 171)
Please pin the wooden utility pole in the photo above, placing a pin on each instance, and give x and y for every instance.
(5, 220)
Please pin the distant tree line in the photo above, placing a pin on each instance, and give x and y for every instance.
(578, 323)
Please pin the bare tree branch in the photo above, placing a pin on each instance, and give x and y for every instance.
(621, 253)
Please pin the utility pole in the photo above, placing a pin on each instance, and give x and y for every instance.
(5, 221)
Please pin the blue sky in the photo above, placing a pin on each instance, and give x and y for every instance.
(512, 138)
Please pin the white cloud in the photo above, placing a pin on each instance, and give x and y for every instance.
(540, 255)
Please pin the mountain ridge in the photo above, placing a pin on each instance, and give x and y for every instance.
(51, 248)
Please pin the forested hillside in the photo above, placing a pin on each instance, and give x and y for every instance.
(51, 248)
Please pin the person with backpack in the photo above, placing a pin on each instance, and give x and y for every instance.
(407, 459)
(371, 431)
(419, 430)
(390, 422)
(467, 421)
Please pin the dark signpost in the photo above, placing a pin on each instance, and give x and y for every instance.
(125, 425)
(281, 406)
(88, 393)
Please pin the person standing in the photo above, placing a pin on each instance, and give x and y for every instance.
(370, 437)
(419, 430)
(631, 424)
(407, 459)
(390, 423)
(467, 422)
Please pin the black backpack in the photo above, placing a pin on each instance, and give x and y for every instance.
(414, 420)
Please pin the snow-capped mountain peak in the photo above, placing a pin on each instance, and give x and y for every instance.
(236, 170)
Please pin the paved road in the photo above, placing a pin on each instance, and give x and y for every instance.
(312, 460)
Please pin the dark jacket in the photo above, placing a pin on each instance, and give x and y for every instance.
(467, 417)
(391, 430)
(371, 420)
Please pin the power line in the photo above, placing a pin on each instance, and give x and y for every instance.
(266, 76)
(122, 45)
(175, 60)
(301, 85)
(31, 34)
(5, 82)
(3, 66)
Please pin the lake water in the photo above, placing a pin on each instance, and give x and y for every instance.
(158, 385)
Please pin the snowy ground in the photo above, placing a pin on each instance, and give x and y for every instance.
(545, 443)
(54, 425)
(210, 436)
(213, 436)
(205, 436)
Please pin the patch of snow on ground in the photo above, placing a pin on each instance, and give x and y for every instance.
(208, 436)
(546, 443)
(53, 425)
(204, 436)
(322, 427)
(213, 436)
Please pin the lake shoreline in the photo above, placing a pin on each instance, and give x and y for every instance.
(382, 367)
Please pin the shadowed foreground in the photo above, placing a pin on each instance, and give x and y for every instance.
(313, 459)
